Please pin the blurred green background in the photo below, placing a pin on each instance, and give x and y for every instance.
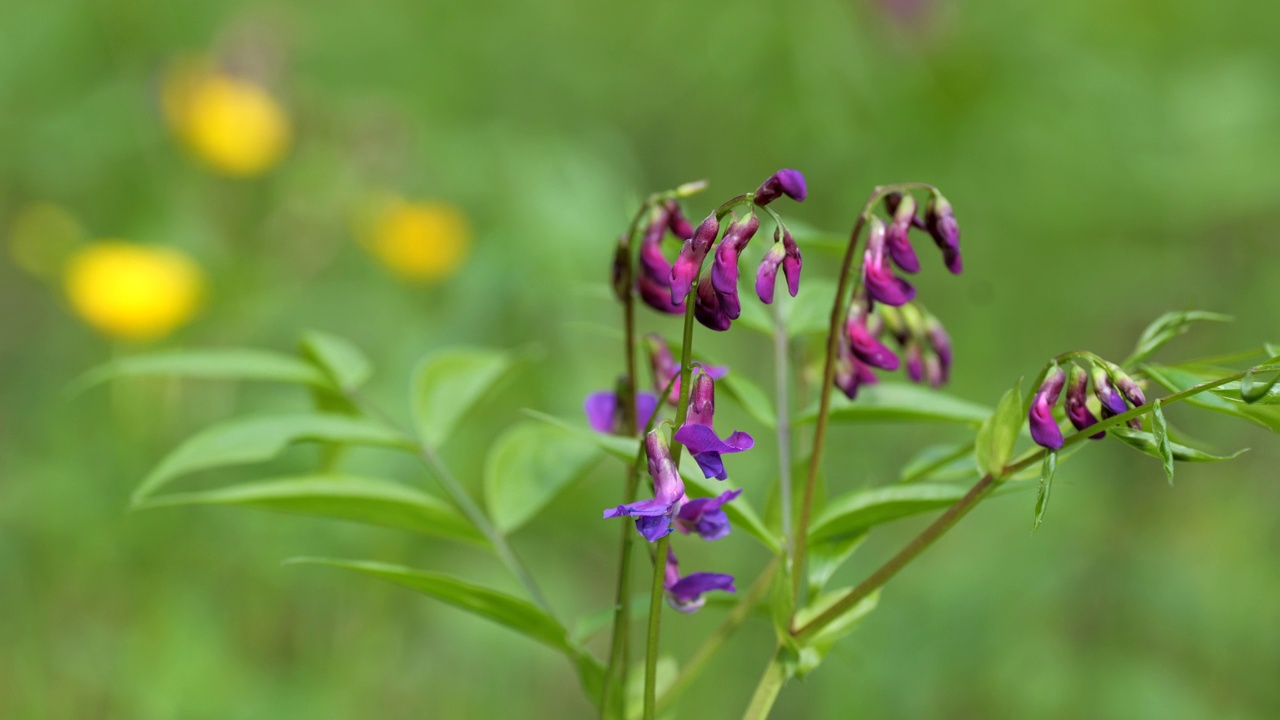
(1107, 161)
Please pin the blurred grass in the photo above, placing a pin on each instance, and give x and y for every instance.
(1107, 161)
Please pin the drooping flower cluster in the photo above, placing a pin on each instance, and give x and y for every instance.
(918, 335)
(1113, 390)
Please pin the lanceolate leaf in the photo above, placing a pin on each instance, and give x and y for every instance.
(996, 437)
(749, 395)
(819, 645)
(901, 402)
(827, 556)
(359, 499)
(341, 361)
(940, 462)
(855, 512)
(1146, 442)
(1163, 445)
(1178, 378)
(449, 383)
(1047, 470)
(1167, 327)
(206, 364)
(528, 466)
(261, 438)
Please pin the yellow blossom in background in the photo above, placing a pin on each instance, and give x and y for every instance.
(41, 238)
(231, 123)
(133, 291)
(420, 241)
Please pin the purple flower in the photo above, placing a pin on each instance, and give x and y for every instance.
(864, 344)
(653, 516)
(896, 239)
(1077, 402)
(767, 273)
(784, 182)
(881, 283)
(1112, 402)
(698, 435)
(1128, 387)
(654, 281)
(941, 224)
(724, 271)
(705, 517)
(706, 307)
(940, 342)
(791, 263)
(665, 368)
(695, 250)
(604, 412)
(915, 362)
(676, 220)
(933, 371)
(685, 593)
(1044, 428)
(850, 372)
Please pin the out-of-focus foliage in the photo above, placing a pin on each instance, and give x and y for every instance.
(1107, 161)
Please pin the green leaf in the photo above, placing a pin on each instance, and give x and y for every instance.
(623, 448)
(527, 467)
(1146, 442)
(447, 385)
(517, 614)
(900, 402)
(341, 361)
(817, 648)
(855, 512)
(1165, 328)
(808, 313)
(1254, 392)
(996, 437)
(1179, 378)
(207, 364)
(752, 399)
(952, 461)
(260, 438)
(1047, 469)
(1163, 446)
(827, 556)
(359, 499)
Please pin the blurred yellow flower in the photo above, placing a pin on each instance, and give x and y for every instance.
(231, 123)
(421, 241)
(133, 291)
(41, 238)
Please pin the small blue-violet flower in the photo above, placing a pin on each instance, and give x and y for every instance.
(1077, 402)
(653, 516)
(705, 516)
(698, 435)
(1044, 428)
(685, 593)
(604, 412)
(881, 283)
(784, 182)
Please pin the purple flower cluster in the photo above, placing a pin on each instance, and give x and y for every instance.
(1113, 390)
(893, 242)
(862, 348)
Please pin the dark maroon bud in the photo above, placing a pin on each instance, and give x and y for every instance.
(706, 307)
(1044, 428)
(679, 224)
(1077, 402)
(724, 271)
(784, 182)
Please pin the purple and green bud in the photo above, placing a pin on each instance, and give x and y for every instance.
(878, 277)
(940, 221)
(698, 435)
(896, 236)
(891, 203)
(1044, 428)
(724, 271)
(767, 273)
(1128, 387)
(1112, 401)
(1077, 403)
(791, 263)
(685, 593)
(934, 372)
(940, 342)
(653, 516)
(850, 372)
(691, 257)
(863, 343)
(784, 182)
(705, 517)
(706, 307)
(915, 362)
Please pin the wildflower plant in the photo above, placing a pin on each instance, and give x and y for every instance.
(675, 486)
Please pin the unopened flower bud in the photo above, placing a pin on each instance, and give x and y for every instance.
(1112, 402)
(691, 257)
(933, 371)
(767, 273)
(1044, 428)
(941, 344)
(791, 263)
(863, 342)
(896, 236)
(1077, 402)
(1128, 387)
(851, 373)
(724, 271)
(677, 222)
(702, 400)
(784, 182)
(941, 224)
(915, 362)
(891, 203)
(881, 283)
(664, 366)
(706, 307)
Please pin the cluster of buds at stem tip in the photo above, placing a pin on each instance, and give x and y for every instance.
(1113, 392)
(863, 348)
(653, 284)
(939, 221)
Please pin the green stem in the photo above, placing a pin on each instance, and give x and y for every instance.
(962, 507)
(781, 378)
(655, 625)
(702, 657)
(775, 675)
(838, 309)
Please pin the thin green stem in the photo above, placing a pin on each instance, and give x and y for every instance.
(962, 507)
(775, 675)
(703, 655)
(655, 626)
(781, 380)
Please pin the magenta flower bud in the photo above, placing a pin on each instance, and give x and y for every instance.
(705, 516)
(934, 372)
(882, 285)
(915, 362)
(685, 593)
(653, 516)
(677, 222)
(664, 366)
(698, 435)
(891, 203)
(1112, 402)
(940, 342)
(691, 257)
(851, 373)
(702, 400)
(863, 342)
(1128, 387)
(1044, 428)
(784, 182)
(791, 263)
(767, 273)
(896, 236)
(724, 271)
(941, 224)
(1077, 402)
(706, 307)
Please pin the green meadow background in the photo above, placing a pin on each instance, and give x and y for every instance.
(1107, 160)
